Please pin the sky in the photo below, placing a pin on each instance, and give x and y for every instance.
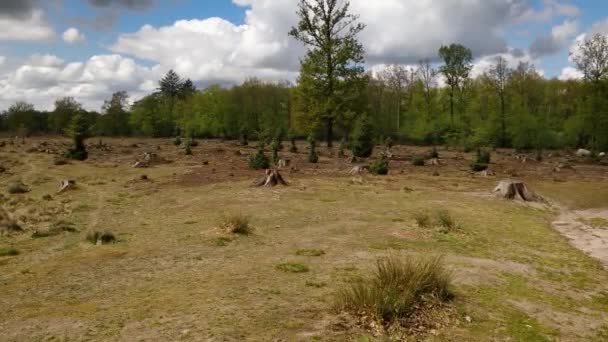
(88, 49)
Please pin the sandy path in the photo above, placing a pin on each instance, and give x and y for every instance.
(593, 241)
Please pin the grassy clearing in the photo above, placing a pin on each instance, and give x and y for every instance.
(515, 277)
(596, 222)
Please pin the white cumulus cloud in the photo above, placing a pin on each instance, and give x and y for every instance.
(73, 36)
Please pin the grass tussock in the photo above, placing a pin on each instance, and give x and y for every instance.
(310, 252)
(8, 251)
(397, 288)
(422, 220)
(236, 224)
(446, 221)
(292, 267)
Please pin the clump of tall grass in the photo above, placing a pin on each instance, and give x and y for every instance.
(397, 287)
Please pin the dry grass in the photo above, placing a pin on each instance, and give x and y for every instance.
(236, 224)
(310, 252)
(397, 288)
(292, 267)
(168, 280)
(103, 238)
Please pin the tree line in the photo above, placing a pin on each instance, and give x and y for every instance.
(334, 97)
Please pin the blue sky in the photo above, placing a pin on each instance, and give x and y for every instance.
(108, 36)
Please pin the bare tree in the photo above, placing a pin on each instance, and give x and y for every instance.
(592, 58)
(398, 79)
(498, 77)
(428, 76)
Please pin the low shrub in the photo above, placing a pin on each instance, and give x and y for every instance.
(17, 188)
(103, 238)
(8, 251)
(446, 221)
(177, 141)
(292, 267)
(397, 288)
(259, 161)
(418, 161)
(422, 220)
(236, 224)
(313, 157)
(379, 167)
(310, 252)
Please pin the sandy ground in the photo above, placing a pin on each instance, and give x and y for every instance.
(591, 240)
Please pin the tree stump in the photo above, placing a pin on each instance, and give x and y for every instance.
(358, 170)
(271, 179)
(66, 185)
(511, 189)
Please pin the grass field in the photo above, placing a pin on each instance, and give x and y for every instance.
(175, 274)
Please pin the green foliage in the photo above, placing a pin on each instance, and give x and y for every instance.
(418, 161)
(379, 167)
(388, 142)
(331, 74)
(177, 141)
(397, 288)
(445, 220)
(293, 148)
(362, 142)
(275, 146)
(482, 160)
(259, 161)
(243, 136)
(313, 157)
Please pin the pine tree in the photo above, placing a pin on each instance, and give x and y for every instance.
(363, 139)
(78, 130)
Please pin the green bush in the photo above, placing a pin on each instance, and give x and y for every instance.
(379, 167)
(177, 141)
(362, 144)
(388, 143)
(418, 161)
(397, 288)
(78, 130)
(446, 221)
(243, 136)
(259, 161)
(482, 160)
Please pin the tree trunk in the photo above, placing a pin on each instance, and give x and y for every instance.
(329, 136)
(452, 107)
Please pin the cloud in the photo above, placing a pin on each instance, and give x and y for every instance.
(556, 41)
(73, 36)
(16, 8)
(44, 78)
(570, 73)
(549, 10)
(32, 28)
(128, 4)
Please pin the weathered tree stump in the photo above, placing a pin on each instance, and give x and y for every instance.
(271, 179)
(66, 185)
(358, 170)
(511, 189)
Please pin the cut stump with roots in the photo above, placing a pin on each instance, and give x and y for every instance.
(271, 179)
(66, 185)
(512, 189)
